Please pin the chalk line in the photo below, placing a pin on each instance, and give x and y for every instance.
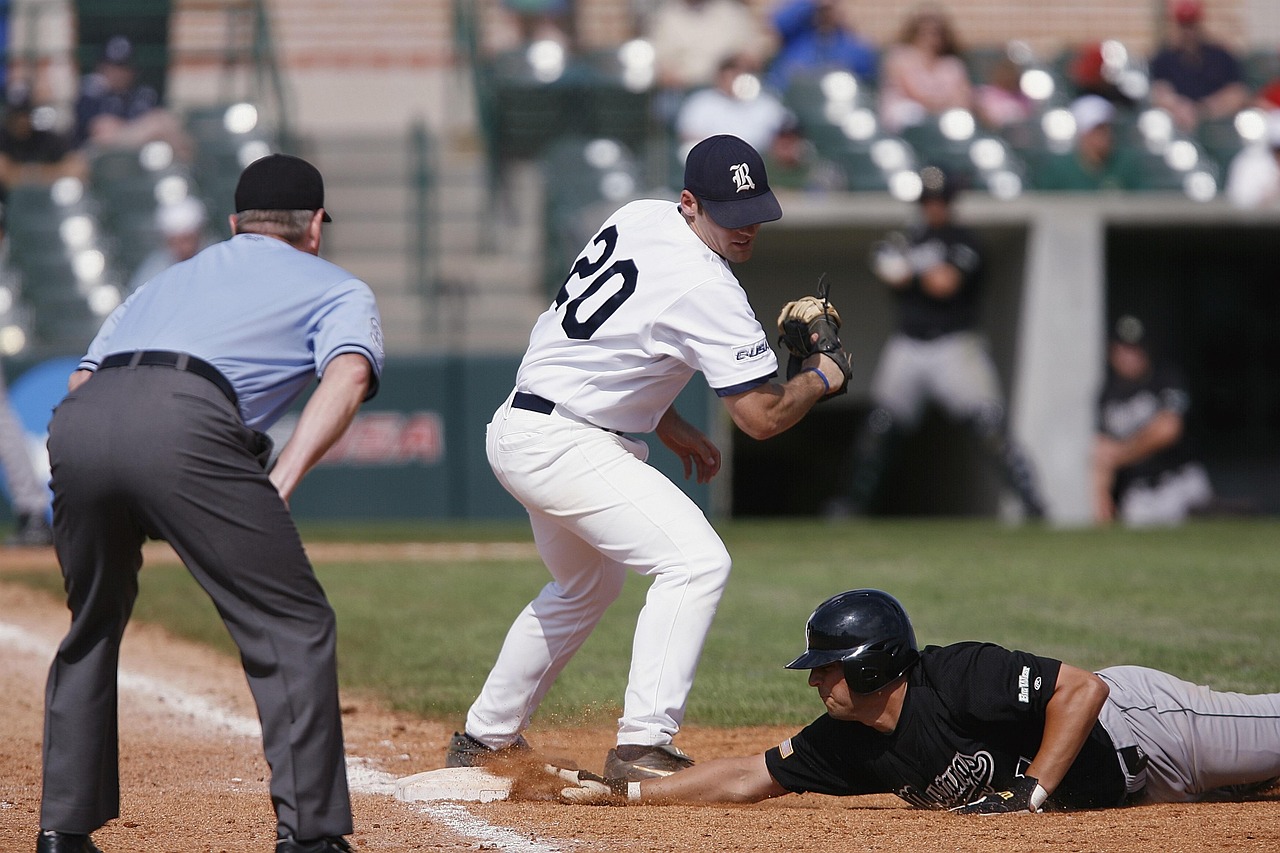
(362, 776)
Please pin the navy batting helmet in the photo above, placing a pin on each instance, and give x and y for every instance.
(867, 631)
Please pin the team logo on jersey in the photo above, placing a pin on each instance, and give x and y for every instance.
(375, 335)
(964, 780)
(742, 177)
(755, 350)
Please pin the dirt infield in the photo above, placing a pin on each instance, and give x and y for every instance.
(194, 778)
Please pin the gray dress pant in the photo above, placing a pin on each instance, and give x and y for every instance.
(152, 451)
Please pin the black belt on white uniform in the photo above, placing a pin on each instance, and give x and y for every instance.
(178, 361)
(543, 406)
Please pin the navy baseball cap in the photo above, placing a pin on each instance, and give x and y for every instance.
(727, 175)
(280, 182)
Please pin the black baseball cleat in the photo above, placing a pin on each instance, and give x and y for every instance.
(333, 844)
(50, 841)
(635, 763)
(466, 751)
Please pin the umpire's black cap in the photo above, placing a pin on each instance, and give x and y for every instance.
(727, 175)
(280, 182)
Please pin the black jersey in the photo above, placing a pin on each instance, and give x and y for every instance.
(926, 317)
(1127, 406)
(971, 722)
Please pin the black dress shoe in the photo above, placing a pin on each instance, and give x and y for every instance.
(336, 844)
(49, 841)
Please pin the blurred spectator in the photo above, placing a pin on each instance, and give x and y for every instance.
(1192, 77)
(28, 496)
(1087, 71)
(1269, 96)
(737, 104)
(1095, 162)
(923, 73)
(692, 38)
(114, 110)
(1253, 180)
(793, 163)
(816, 37)
(1143, 470)
(1000, 100)
(29, 152)
(182, 226)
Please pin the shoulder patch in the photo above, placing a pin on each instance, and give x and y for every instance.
(785, 749)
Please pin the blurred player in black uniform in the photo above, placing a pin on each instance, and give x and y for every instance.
(936, 353)
(981, 729)
(1143, 469)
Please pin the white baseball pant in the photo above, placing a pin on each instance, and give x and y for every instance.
(1169, 500)
(598, 510)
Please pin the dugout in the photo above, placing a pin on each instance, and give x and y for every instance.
(1203, 276)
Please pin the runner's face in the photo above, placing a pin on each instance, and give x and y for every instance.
(733, 244)
(870, 709)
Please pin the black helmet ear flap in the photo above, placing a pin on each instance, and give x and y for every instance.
(866, 671)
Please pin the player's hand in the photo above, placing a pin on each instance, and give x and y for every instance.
(695, 451)
(889, 260)
(586, 788)
(1024, 797)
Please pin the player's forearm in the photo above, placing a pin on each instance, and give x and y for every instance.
(78, 378)
(1069, 718)
(723, 780)
(324, 419)
(1165, 429)
(1227, 101)
(695, 451)
(773, 408)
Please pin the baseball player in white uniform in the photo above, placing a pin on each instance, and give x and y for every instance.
(650, 301)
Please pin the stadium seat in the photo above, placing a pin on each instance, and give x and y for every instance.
(228, 137)
(586, 180)
(979, 159)
(617, 99)
(45, 236)
(1261, 66)
(1220, 140)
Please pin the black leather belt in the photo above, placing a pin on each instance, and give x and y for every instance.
(532, 403)
(543, 406)
(178, 361)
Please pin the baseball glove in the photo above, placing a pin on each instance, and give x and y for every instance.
(811, 325)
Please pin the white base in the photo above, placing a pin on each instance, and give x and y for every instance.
(470, 784)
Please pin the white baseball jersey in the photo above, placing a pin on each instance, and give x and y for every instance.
(645, 305)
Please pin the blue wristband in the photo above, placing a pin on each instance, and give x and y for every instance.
(825, 384)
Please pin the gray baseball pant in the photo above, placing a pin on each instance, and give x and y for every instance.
(1195, 739)
(154, 451)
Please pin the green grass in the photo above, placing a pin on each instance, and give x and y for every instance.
(1200, 601)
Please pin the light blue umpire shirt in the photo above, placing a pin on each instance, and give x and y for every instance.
(266, 315)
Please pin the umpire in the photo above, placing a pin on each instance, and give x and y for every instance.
(161, 437)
